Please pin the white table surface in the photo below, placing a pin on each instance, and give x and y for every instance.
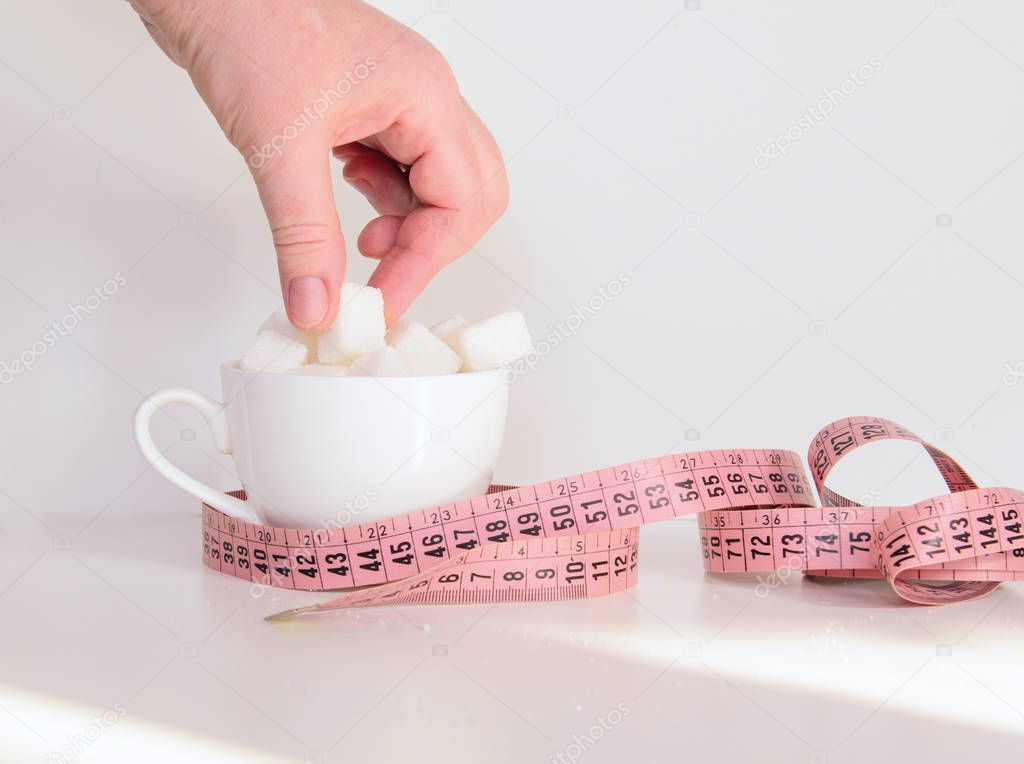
(706, 666)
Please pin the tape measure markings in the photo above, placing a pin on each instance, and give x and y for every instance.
(358, 556)
(577, 535)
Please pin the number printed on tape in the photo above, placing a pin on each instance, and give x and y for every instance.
(577, 536)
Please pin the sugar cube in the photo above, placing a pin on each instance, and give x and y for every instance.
(359, 328)
(492, 342)
(385, 362)
(443, 328)
(275, 352)
(321, 370)
(278, 322)
(421, 350)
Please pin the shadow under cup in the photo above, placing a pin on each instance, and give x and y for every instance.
(315, 452)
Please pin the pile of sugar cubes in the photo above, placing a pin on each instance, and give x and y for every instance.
(359, 344)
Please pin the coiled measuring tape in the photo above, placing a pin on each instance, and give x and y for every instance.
(578, 536)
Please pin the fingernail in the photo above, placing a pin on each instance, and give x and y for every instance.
(362, 186)
(307, 300)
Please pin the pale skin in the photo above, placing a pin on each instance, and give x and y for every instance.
(409, 142)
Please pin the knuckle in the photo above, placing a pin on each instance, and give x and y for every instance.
(440, 72)
(419, 54)
(297, 240)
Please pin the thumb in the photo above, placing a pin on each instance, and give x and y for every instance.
(295, 188)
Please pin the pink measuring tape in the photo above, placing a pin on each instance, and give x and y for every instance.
(577, 536)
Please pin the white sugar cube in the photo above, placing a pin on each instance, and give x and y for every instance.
(359, 328)
(421, 350)
(278, 322)
(321, 370)
(275, 352)
(443, 328)
(386, 362)
(492, 342)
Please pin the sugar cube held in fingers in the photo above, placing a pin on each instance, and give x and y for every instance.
(359, 328)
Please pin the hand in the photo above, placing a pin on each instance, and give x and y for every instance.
(291, 80)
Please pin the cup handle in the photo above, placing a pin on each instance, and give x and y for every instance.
(214, 413)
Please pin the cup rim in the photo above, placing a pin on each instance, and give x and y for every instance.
(233, 366)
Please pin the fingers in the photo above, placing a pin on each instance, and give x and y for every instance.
(386, 187)
(460, 180)
(295, 188)
(422, 246)
(378, 178)
(379, 236)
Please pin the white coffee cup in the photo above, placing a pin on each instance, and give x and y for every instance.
(316, 451)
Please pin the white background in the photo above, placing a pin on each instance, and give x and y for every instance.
(875, 269)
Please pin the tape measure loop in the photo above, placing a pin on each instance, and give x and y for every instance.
(578, 536)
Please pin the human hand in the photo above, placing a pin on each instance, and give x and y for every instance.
(290, 81)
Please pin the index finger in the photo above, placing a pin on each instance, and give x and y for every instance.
(462, 185)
